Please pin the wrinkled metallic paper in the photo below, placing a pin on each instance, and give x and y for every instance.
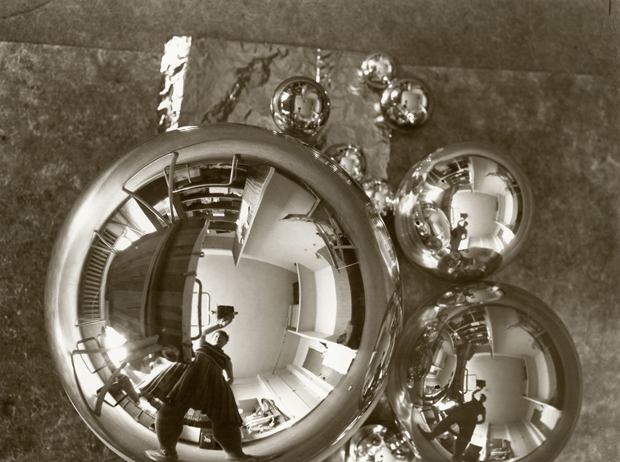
(230, 81)
(172, 69)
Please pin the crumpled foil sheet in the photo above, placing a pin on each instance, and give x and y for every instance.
(231, 81)
(172, 69)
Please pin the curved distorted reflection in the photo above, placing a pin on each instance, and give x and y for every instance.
(350, 157)
(463, 212)
(300, 106)
(192, 243)
(406, 104)
(486, 372)
(293, 293)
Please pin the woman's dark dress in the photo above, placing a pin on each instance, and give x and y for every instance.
(199, 385)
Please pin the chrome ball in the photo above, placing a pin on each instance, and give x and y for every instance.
(406, 104)
(378, 70)
(201, 218)
(494, 360)
(300, 106)
(381, 194)
(464, 211)
(378, 443)
(349, 157)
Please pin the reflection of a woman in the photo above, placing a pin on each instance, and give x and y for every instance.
(204, 385)
(466, 416)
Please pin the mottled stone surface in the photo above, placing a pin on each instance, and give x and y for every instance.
(65, 113)
(554, 36)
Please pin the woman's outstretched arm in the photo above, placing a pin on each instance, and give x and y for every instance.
(216, 326)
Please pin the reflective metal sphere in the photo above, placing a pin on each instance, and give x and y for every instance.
(381, 194)
(226, 218)
(464, 211)
(349, 157)
(487, 371)
(378, 70)
(300, 106)
(378, 443)
(406, 104)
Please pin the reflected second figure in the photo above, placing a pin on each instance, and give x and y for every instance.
(203, 385)
(466, 416)
(458, 234)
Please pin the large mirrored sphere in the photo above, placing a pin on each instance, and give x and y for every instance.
(406, 104)
(486, 371)
(300, 107)
(201, 223)
(464, 211)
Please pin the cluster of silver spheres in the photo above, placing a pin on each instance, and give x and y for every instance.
(486, 357)
(300, 107)
(462, 213)
(406, 102)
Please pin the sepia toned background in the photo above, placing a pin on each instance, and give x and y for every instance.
(538, 79)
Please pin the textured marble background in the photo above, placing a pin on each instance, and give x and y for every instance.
(79, 85)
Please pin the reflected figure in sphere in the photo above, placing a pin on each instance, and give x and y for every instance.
(466, 416)
(203, 385)
(458, 234)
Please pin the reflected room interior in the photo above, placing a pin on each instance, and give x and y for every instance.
(463, 211)
(537, 80)
(156, 277)
(475, 347)
(495, 345)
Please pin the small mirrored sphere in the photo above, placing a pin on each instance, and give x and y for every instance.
(381, 194)
(486, 371)
(300, 106)
(378, 70)
(378, 443)
(349, 157)
(464, 211)
(406, 104)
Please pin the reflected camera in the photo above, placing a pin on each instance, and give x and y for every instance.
(224, 311)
